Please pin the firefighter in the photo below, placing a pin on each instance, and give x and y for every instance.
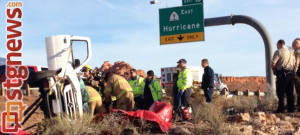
(88, 77)
(135, 82)
(95, 101)
(152, 90)
(98, 83)
(91, 79)
(94, 71)
(119, 87)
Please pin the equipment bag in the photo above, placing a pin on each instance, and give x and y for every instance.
(186, 114)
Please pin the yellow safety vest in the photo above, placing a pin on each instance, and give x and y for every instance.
(136, 86)
(185, 79)
(155, 89)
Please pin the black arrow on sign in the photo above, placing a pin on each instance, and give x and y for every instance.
(180, 37)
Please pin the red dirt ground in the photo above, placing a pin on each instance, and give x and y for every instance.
(252, 83)
(34, 119)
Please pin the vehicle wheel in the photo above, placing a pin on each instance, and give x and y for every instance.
(46, 106)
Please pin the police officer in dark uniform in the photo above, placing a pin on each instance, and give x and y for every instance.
(296, 47)
(283, 65)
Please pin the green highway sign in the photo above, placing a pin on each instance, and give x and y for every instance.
(181, 24)
(190, 2)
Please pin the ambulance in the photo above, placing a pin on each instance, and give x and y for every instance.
(167, 74)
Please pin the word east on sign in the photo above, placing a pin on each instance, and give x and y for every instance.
(181, 24)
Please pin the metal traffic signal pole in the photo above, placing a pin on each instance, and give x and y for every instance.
(234, 19)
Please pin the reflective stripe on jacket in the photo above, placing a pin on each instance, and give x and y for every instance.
(155, 89)
(117, 86)
(94, 95)
(185, 79)
(136, 86)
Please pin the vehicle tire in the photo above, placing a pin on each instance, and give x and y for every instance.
(46, 106)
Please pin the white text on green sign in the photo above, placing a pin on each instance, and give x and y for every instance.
(190, 2)
(181, 24)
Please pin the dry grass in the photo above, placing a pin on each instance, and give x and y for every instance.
(169, 90)
(111, 124)
(244, 104)
(209, 119)
(66, 126)
(215, 118)
(212, 114)
(241, 104)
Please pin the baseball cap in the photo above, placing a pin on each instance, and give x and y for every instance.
(182, 60)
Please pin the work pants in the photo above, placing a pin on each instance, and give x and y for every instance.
(176, 100)
(126, 102)
(185, 98)
(208, 94)
(147, 103)
(284, 85)
(96, 105)
(297, 86)
(95, 101)
(138, 103)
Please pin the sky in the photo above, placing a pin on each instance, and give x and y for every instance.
(122, 30)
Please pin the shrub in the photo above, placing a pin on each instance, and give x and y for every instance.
(211, 113)
(243, 104)
(111, 124)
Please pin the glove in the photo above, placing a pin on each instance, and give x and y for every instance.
(141, 97)
(159, 100)
(179, 93)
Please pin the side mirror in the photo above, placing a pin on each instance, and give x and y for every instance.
(77, 63)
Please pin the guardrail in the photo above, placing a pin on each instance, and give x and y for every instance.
(225, 93)
(247, 93)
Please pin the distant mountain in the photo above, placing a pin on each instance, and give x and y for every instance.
(2, 61)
